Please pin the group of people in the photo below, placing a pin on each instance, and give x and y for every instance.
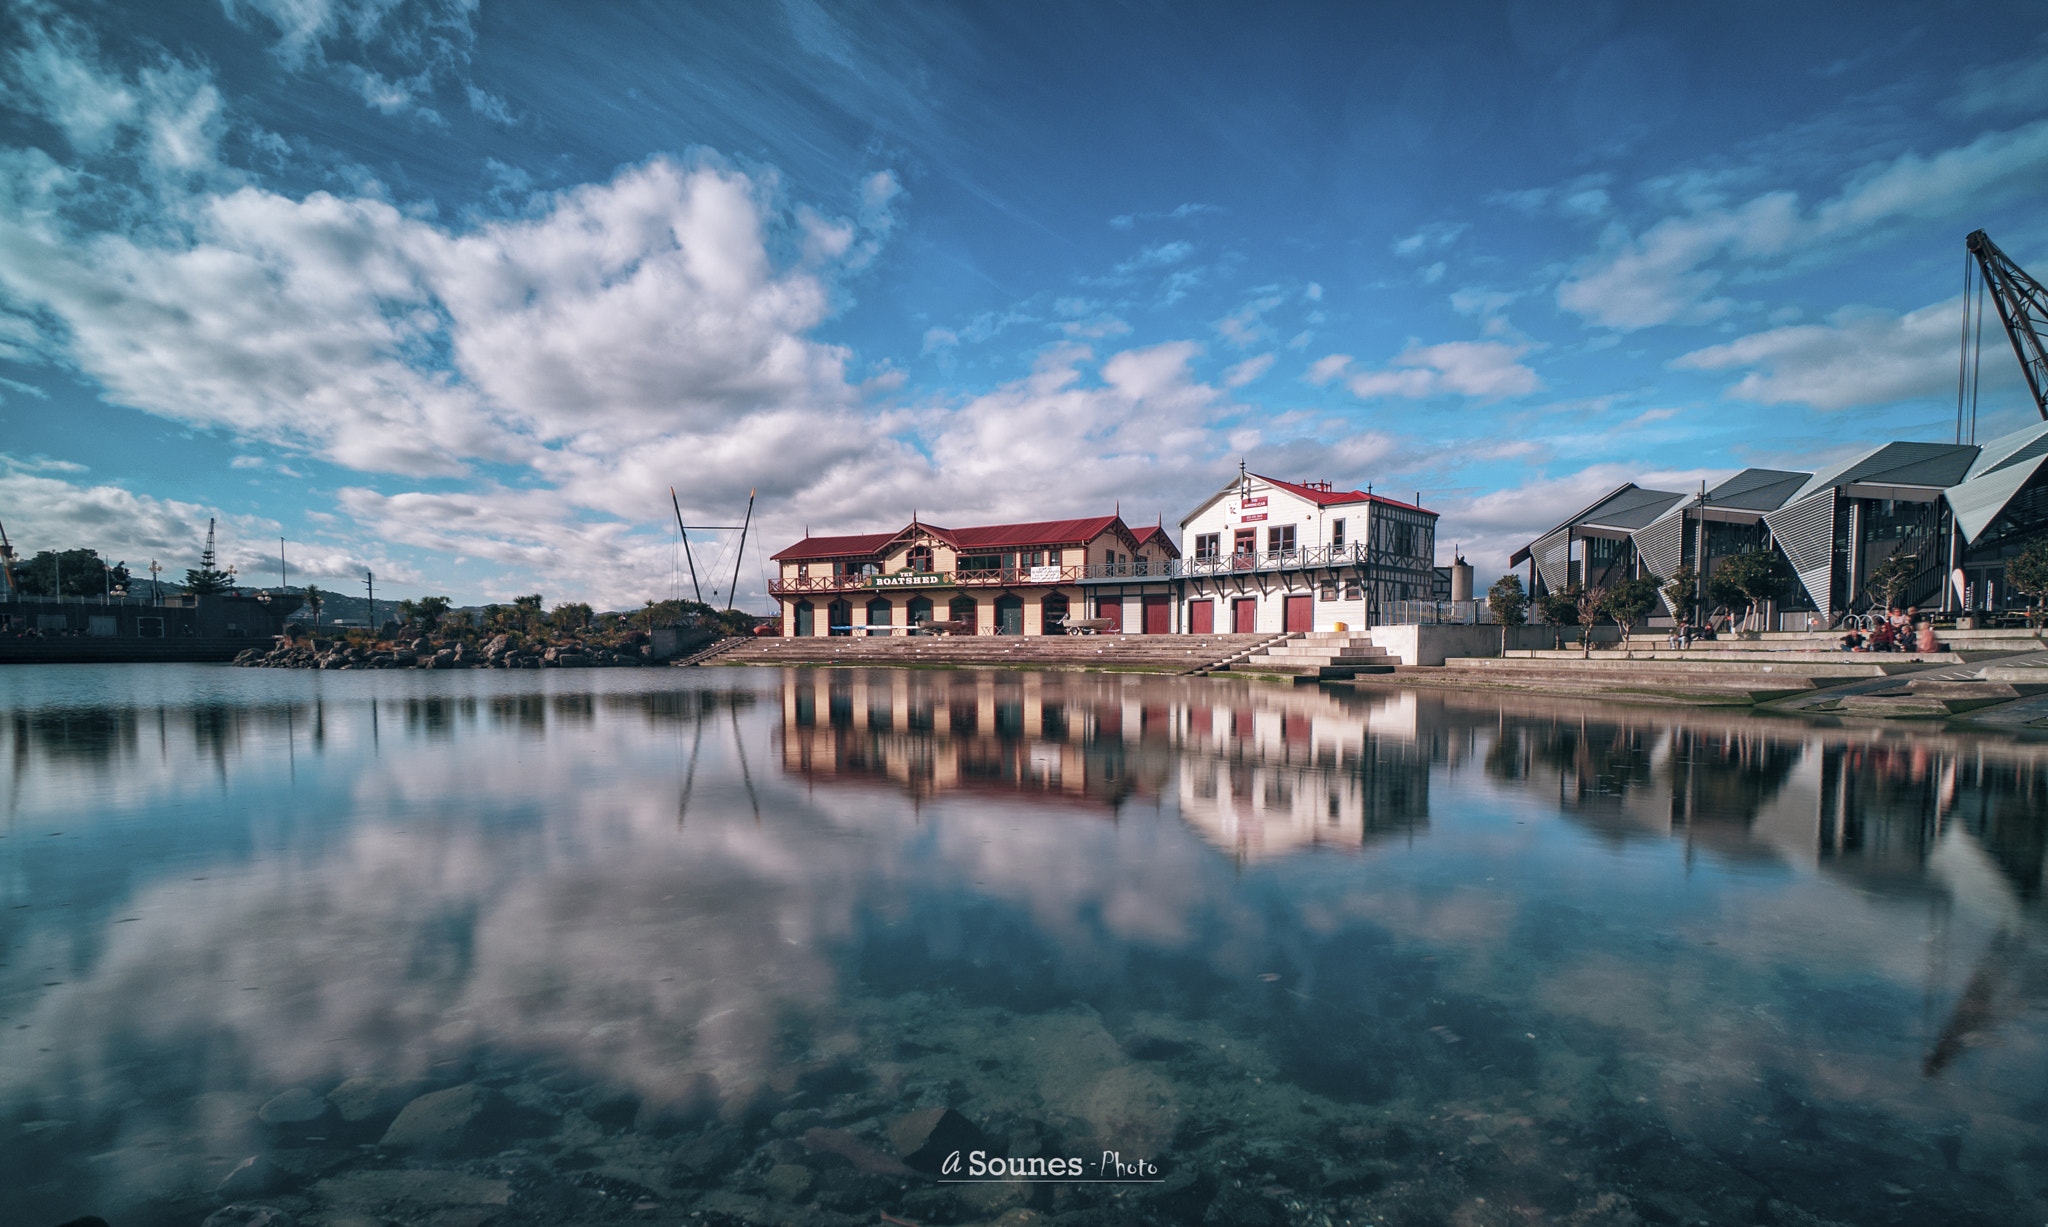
(1902, 630)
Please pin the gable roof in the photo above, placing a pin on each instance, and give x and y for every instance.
(1337, 498)
(1041, 532)
(981, 537)
(835, 547)
(1148, 533)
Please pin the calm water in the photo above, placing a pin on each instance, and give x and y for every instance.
(677, 943)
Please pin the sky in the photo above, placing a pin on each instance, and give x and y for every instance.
(454, 291)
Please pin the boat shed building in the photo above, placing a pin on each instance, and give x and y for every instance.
(1958, 510)
(1006, 579)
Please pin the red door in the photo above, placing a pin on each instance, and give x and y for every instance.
(1201, 617)
(1301, 613)
(1157, 614)
(1113, 609)
(1244, 615)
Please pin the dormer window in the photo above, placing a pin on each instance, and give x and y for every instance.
(920, 558)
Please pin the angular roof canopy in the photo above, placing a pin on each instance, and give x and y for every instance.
(2020, 445)
(1623, 509)
(1979, 501)
(1926, 465)
(1757, 489)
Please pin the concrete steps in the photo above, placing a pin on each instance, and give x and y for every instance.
(1317, 655)
(1717, 689)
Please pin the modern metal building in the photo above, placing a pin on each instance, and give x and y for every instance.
(1959, 511)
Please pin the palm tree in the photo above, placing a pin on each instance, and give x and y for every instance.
(313, 599)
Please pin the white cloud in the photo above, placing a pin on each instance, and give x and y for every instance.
(1434, 273)
(1488, 370)
(1245, 326)
(1861, 356)
(1668, 274)
(2020, 85)
(1324, 369)
(937, 340)
(1433, 237)
(1248, 370)
(1314, 292)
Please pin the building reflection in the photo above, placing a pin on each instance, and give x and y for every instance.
(1259, 771)
(1262, 771)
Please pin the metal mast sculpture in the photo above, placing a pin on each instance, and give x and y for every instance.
(2022, 306)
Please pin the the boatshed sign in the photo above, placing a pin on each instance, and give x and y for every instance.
(908, 579)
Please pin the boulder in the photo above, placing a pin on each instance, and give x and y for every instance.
(252, 1177)
(422, 645)
(297, 1106)
(366, 1099)
(450, 1122)
(925, 1138)
(789, 1182)
(498, 645)
(706, 1159)
(572, 660)
(444, 659)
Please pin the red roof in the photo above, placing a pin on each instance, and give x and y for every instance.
(837, 547)
(985, 537)
(1332, 498)
(1045, 532)
(1150, 531)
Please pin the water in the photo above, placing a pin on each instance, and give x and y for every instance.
(684, 946)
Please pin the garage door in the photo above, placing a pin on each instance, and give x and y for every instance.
(1301, 612)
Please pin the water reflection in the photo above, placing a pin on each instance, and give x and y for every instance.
(1370, 954)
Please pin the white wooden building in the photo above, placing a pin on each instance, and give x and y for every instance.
(1264, 555)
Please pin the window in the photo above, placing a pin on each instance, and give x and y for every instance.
(1052, 558)
(1209, 545)
(1352, 591)
(1280, 539)
(920, 558)
(1247, 542)
(1328, 592)
(803, 570)
(1336, 534)
(980, 562)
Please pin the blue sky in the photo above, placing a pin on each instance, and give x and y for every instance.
(456, 291)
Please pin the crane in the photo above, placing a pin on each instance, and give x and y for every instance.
(2022, 305)
(13, 588)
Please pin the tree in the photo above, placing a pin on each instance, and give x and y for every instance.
(1680, 590)
(1888, 580)
(570, 616)
(431, 610)
(314, 599)
(1561, 606)
(2028, 575)
(1749, 579)
(1587, 609)
(204, 581)
(77, 572)
(527, 610)
(1510, 605)
(1629, 602)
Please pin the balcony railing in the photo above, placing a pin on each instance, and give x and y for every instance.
(1093, 572)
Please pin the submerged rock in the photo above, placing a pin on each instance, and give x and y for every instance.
(252, 1177)
(363, 1099)
(925, 1138)
(706, 1158)
(453, 1121)
(789, 1182)
(297, 1106)
(863, 1156)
